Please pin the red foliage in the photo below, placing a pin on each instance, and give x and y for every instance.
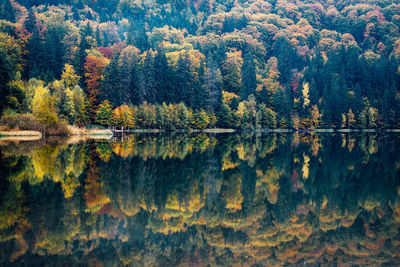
(118, 47)
(106, 51)
(94, 68)
(294, 83)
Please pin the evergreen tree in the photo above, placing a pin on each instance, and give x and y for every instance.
(111, 86)
(5, 77)
(36, 65)
(249, 82)
(283, 51)
(98, 36)
(81, 53)
(54, 53)
(162, 74)
(149, 83)
(184, 80)
(104, 113)
(30, 22)
(213, 84)
(133, 92)
(225, 117)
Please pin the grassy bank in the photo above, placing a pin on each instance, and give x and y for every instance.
(20, 133)
(88, 132)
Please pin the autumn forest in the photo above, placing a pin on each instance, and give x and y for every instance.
(150, 64)
(199, 133)
(250, 199)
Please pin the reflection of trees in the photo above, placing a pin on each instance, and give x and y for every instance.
(268, 199)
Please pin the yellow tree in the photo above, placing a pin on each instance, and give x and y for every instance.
(69, 77)
(122, 116)
(266, 91)
(305, 91)
(315, 117)
(350, 119)
(43, 106)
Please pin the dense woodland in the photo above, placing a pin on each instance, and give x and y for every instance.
(202, 200)
(200, 64)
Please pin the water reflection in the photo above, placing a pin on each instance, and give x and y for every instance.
(202, 199)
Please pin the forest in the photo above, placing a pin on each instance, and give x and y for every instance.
(240, 64)
(250, 199)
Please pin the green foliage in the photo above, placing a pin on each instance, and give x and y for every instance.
(273, 198)
(104, 113)
(296, 59)
(43, 107)
(267, 117)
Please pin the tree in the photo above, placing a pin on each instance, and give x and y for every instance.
(36, 65)
(268, 117)
(184, 83)
(182, 119)
(69, 77)
(104, 113)
(122, 116)
(162, 74)
(149, 83)
(81, 54)
(249, 82)
(231, 72)
(213, 83)
(132, 94)
(225, 117)
(372, 117)
(271, 85)
(30, 22)
(282, 104)
(6, 75)
(344, 121)
(69, 96)
(283, 51)
(161, 115)
(94, 68)
(200, 120)
(43, 107)
(350, 119)
(111, 87)
(315, 117)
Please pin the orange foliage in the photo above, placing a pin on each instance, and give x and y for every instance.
(94, 67)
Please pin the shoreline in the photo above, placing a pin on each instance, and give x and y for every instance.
(106, 132)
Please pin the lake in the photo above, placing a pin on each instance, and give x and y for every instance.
(251, 199)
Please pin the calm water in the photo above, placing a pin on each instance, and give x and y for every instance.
(202, 200)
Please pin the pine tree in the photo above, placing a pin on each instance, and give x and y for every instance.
(225, 117)
(133, 91)
(149, 84)
(111, 85)
(5, 77)
(80, 57)
(213, 84)
(282, 50)
(249, 81)
(98, 37)
(184, 90)
(162, 74)
(30, 22)
(104, 113)
(54, 53)
(35, 63)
